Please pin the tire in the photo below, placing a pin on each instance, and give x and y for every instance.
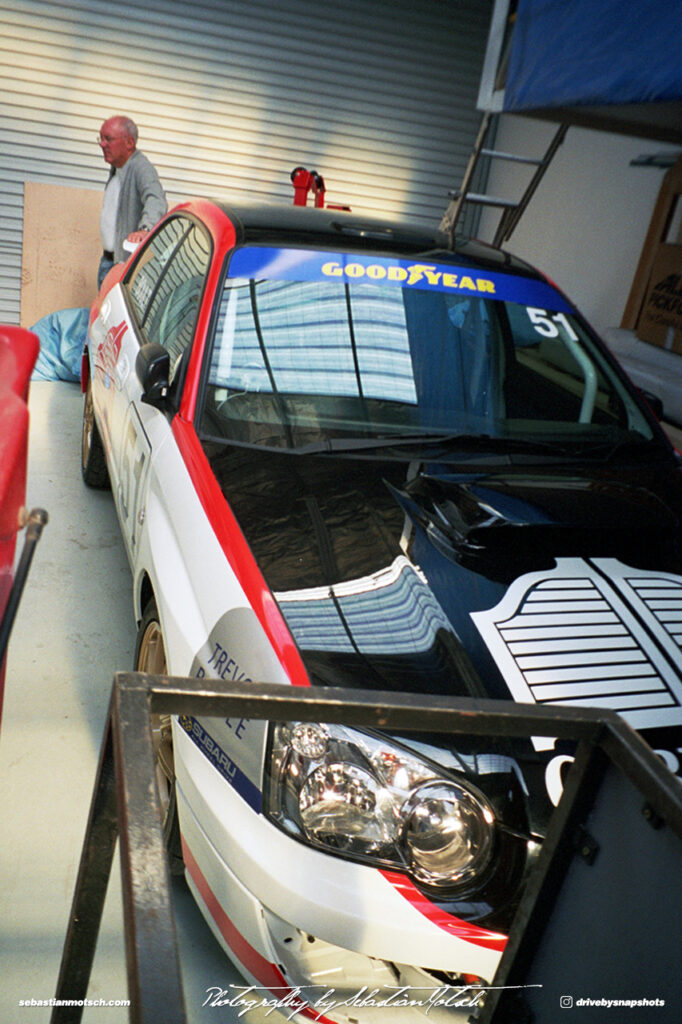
(150, 656)
(93, 461)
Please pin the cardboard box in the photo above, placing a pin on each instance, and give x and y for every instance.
(660, 321)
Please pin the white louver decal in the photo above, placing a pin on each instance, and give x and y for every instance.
(592, 633)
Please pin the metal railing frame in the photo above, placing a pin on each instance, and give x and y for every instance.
(125, 803)
(36, 520)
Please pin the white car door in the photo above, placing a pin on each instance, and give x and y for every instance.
(162, 292)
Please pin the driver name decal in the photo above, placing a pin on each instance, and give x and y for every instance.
(221, 664)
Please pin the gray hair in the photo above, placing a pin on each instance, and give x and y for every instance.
(127, 126)
(130, 128)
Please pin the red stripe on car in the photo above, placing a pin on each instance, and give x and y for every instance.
(268, 974)
(448, 922)
(223, 238)
(238, 552)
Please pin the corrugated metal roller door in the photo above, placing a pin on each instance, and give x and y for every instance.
(230, 97)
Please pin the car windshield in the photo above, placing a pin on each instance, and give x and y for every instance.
(331, 350)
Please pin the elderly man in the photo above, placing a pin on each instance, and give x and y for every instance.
(134, 199)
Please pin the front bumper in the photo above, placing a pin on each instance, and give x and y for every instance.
(305, 926)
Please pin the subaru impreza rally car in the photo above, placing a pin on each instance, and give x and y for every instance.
(346, 454)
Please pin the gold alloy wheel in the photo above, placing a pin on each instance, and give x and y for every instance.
(152, 659)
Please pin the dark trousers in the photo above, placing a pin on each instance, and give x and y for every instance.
(105, 265)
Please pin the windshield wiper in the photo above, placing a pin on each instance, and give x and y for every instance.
(442, 446)
(354, 444)
(469, 442)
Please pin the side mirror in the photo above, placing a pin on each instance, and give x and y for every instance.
(152, 367)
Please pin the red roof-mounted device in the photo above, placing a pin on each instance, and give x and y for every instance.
(303, 181)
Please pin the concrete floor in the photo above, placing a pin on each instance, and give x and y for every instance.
(74, 629)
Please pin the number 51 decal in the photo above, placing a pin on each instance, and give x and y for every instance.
(548, 324)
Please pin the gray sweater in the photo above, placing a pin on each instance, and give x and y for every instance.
(141, 203)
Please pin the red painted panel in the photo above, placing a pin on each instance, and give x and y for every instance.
(18, 353)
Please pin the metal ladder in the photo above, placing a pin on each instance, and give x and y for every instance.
(511, 209)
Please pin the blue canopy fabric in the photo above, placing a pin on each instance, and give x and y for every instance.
(62, 339)
(594, 52)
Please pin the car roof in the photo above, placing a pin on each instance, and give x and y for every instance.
(329, 228)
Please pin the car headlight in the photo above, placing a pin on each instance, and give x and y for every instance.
(363, 796)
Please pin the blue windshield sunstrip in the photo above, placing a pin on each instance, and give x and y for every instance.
(312, 265)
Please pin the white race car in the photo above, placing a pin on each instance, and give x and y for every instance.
(344, 454)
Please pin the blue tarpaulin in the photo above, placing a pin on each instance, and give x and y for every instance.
(594, 52)
(62, 339)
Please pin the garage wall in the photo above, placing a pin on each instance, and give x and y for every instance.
(230, 96)
(587, 222)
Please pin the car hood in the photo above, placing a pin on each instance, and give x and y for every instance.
(542, 584)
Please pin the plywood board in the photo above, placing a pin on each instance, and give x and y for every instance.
(61, 249)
